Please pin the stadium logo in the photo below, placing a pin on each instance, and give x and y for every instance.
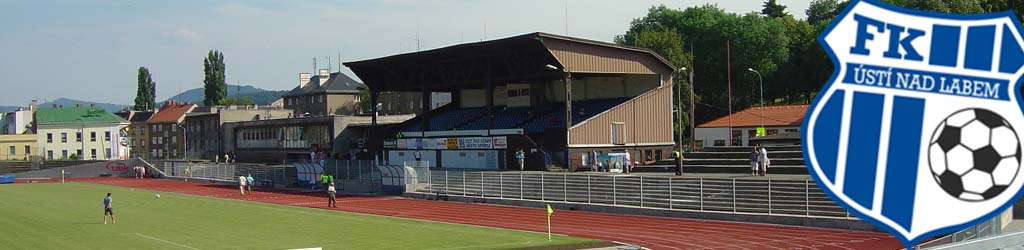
(917, 130)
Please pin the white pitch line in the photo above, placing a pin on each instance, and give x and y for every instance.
(164, 241)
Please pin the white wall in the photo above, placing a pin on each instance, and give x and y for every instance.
(472, 159)
(399, 157)
(709, 135)
(118, 151)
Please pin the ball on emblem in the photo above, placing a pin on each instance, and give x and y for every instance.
(974, 154)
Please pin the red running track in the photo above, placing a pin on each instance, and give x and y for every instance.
(647, 231)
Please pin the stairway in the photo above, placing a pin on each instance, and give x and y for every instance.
(733, 160)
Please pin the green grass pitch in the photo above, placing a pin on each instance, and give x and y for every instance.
(69, 216)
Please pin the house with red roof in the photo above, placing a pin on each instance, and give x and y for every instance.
(743, 125)
(166, 134)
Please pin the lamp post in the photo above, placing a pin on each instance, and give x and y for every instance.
(762, 93)
(679, 111)
(184, 131)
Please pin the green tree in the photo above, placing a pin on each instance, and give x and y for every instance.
(365, 105)
(756, 42)
(216, 89)
(773, 9)
(823, 11)
(145, 95)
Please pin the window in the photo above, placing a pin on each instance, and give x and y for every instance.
(49, 154)
(10, 150)
(174, 140)
(751, 134)
(174, 128)
(106, 136)
(63, 137)
(737, 138)
(772, 132)
(78, 136)
(63, 154)
(618, 133)
(93, 151)
(28, 150)
(49, 137)
(791, 130)
(92, 136)
(719, 143)
(107, 155)
(80, 155)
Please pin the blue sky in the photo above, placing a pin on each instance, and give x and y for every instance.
(90, 50)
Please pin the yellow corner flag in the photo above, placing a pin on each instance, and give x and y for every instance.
(550, 211)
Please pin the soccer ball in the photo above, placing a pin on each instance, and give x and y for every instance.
(157, 195)
(974, 154)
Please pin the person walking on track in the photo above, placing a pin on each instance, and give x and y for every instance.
(331, 200)
(251, 182)
(241, 184)
(108, 210)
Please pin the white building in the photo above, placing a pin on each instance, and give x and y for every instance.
(17, 122)
(90, 133)
(744, 124)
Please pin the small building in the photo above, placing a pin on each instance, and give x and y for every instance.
(88, 133)
(744, 124)
(19, 121)
(136, 132)
(293, 139)
(338, 94)
(203, 126)
(19, 147)
(165, 133)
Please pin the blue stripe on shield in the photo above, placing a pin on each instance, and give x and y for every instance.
(902, 162)
(826, 134)
(862, 148)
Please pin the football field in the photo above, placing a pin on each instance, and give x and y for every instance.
(69, 216)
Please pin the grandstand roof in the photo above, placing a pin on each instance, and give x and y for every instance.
(517, 58)
(781, 115)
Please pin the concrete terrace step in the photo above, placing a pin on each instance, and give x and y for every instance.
(774, 161)
(747, 149)
(740, 155)
(721, 169)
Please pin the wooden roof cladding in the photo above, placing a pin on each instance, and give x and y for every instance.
(510, 59)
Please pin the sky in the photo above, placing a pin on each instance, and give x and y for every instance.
(91, 50)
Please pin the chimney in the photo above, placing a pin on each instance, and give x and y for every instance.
(324, 75)
(303, 79)
(32, 105)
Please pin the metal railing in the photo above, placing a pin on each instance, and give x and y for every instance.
(754, 196)
(264, 175)
(987, 228)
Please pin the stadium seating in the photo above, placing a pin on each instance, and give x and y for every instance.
(531, 119)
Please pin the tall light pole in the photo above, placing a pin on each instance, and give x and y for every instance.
(762, 94)
(679, 111)
(184, 131)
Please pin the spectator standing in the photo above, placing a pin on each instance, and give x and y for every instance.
(627, 167)
(679, 162)
(754, 159)
(765, 161)
(331, 200)
(323, 181)
(521, 157)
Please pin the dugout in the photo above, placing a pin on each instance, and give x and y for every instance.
(543, 93)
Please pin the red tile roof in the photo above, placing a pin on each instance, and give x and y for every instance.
(782, 115)
(171, 113)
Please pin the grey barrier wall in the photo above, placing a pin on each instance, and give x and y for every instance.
(121, 168)
(719, 195)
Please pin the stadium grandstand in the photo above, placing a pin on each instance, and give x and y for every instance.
(557, 98)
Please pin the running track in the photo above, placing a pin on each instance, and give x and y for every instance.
(647, 231)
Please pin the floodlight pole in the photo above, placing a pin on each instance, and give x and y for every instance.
(762, 94)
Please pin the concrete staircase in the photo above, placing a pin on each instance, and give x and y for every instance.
(733, 160)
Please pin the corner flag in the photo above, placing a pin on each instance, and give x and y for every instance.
(550, 211)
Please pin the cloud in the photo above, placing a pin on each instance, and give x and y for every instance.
(183, 35)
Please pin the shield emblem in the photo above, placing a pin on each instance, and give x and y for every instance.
(917, 131)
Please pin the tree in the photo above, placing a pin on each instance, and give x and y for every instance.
(756, 42)
(822, 11)
(216, 89)
(238, 101)
(145, 95)
(773, 9)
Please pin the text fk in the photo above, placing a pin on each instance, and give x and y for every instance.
(899, 37)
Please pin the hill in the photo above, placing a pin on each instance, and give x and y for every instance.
(67, 102)
(259, 96)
